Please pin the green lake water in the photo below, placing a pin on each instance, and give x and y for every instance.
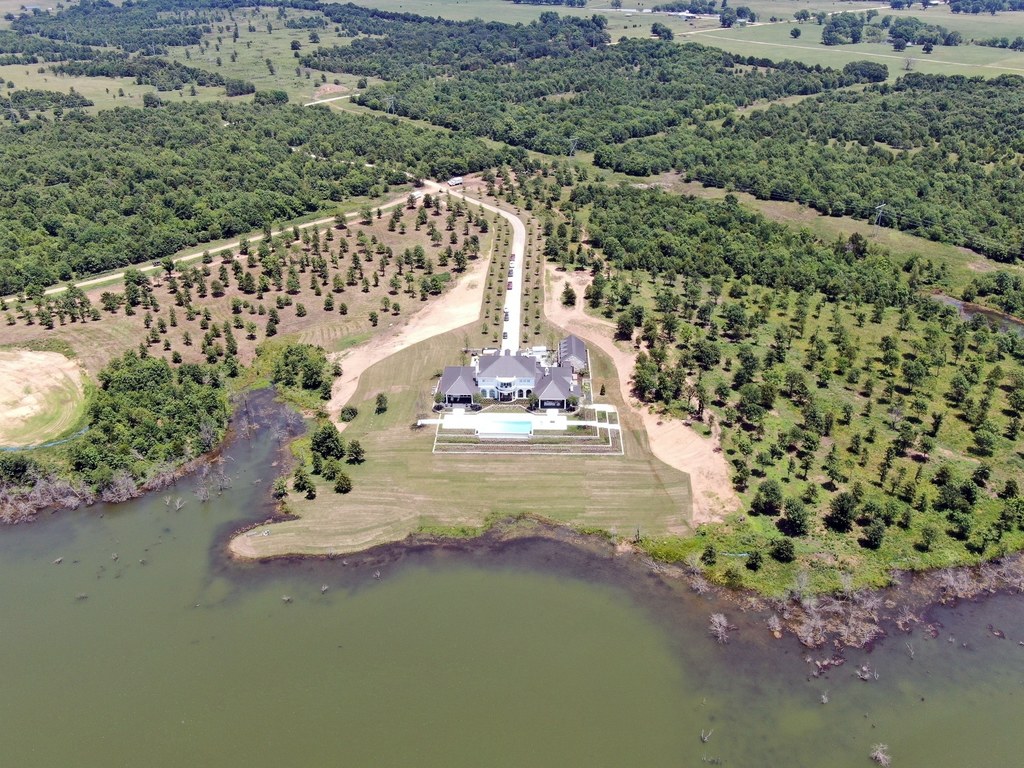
(524, 654)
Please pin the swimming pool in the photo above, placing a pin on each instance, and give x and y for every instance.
(503, 424)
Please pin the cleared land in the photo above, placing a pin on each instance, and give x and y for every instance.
(403, 487)
(42, 396)
(773, 41)
(629, 21)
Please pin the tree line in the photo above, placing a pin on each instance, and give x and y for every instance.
(90, 193)
(600, 96)
(848, 153)
(149, 70)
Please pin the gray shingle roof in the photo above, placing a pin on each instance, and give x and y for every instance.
(556, 384)
(507, 366)
(457, 381)
(572, 347)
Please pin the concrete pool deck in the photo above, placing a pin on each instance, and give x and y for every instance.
(518, 430)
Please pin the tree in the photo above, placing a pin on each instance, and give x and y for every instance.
(382, 403)
(727, 18)
(356, 454)
(662, 32)
(709, 556)
(984, 439)
(327, 441)
(624, 326)
(794, 32)
(874, 534)
(841, 512)
(929, 535)
(342, 483)
(783, 550)
(768, 499)
(797, 520)
(569, 299)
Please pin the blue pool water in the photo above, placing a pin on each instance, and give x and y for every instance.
(504, 425)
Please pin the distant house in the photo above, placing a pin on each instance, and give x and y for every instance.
(573, 353)
(555, 388)
(457, 385)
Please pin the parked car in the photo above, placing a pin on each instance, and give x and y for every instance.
(510, 285)
(504, 334)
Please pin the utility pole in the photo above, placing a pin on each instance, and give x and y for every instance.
(879, 210)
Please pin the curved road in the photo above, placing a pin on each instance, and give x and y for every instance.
(512, 325)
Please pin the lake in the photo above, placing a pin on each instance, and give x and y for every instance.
(525, 653)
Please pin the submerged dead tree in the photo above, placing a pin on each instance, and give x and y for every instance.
(719, 627)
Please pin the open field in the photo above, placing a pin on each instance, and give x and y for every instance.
(773, 41)
(42, 396)
(629, 21)
(250, 52)
(403, 487)
(104, 92)
(255, 48)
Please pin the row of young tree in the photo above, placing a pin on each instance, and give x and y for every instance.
(89, 193)
(851, 404)
(844, 154)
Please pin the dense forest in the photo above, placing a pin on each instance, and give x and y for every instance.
(431, 47)
(18, 48)
(147, 413)
(89, 193)
(858, 414)
(32, 100)
(942, 153)
(601, 96)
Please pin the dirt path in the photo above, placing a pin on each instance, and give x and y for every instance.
(458, 307)
(671, 441)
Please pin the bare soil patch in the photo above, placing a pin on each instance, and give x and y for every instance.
(41, 396)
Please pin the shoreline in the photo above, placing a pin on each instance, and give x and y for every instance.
(855, 620)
